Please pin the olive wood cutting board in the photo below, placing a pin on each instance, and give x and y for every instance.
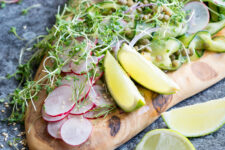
(118, 127)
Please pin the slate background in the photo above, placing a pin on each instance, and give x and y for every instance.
(35, 23)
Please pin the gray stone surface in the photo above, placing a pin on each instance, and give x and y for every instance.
(35, 23)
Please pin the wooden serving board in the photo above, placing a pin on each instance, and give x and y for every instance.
(117, 128)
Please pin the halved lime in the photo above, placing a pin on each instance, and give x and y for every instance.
(144, 72)
(164, 139)
(121, 87)
(197, 120)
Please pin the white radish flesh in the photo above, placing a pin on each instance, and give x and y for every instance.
(199, 16)
(76, 131)
(66, 68)
(99, 96)
(84, 65)
(54, 128)
(219, 2)
(60, 101)
(82, 107)
(98, 74)
(97, 112)
(52, 119)
(80, 84)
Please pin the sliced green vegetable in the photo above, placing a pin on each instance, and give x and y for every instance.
(167, 31)
(142, 26)
(217, 44)
(203, 40)
(222, 11)
(162, 51)
(102, 7)
(215, 27)
(196, 46)
(186, 39)
(213, 17)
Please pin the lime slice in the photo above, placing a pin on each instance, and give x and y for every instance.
(164, 139)
(197, 120)
(122, 89)
(144, 72)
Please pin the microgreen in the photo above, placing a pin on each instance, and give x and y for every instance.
(3, 4)
(25, 11)
(73, 39)
(13, 30)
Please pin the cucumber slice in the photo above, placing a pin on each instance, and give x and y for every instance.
(102, 6)
(215, 27)
(186, 39)
(171, 31)
(222, 10)
(213, 17)
(161, 52)
(218, 44)
(141, 26)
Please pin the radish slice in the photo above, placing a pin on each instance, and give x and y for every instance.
(219, 2)
(54, 128)
(52, 119)
(84, 65)
(82, 107)
(76, 131)
(99, 96)
(92, 115)
(97, 112)
(79, 84)
(60, 101)
(66, 68)
(199, 16)
(98, 74)
(74, 116)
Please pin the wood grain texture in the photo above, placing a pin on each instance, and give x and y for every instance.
(117, 128)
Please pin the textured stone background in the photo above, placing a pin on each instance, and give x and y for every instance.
(35, 23)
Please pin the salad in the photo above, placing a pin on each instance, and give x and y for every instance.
(95, 48)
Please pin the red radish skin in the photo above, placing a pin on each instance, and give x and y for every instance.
(59, 101)
(52, 119)
(99, 77)
(76, 130)
(54, 128)
(100, 73)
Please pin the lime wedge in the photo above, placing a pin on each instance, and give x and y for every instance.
(164, 139)
(144, 72)
(122, 89)
(197, 120)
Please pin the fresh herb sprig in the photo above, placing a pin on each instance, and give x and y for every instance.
(62, 46)
(13, 30)
(25, 11)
